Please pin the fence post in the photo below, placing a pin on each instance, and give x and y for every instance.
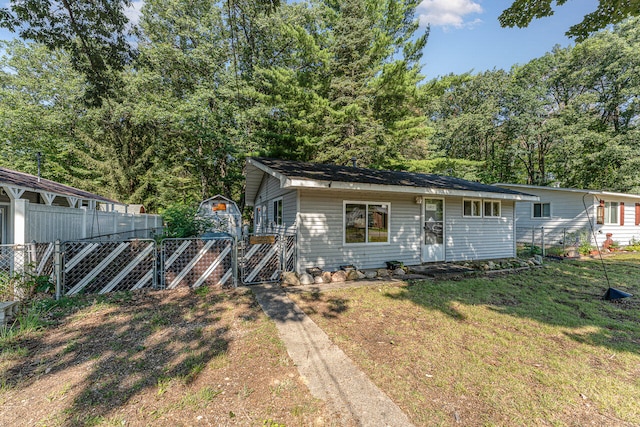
(542, 240)
(234, 261)
(564, 241)
(32, 259)
(57, 269)
(533, 239)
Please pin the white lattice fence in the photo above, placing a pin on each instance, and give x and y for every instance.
(100, 267)
(198, 262)
(266, 256)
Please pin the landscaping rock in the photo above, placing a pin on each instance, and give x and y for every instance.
(352, 275)
(537, 259)
(491, 265)
(290, 278)
(399, 272)
(382, 272)
(326, 277)
(572, 253)
(306, 279)
(370, 274)
(360, 274)
(318, 280)
(339, 276)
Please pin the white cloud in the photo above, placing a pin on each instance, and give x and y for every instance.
(134, 12)
(448, 13)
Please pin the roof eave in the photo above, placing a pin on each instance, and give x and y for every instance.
(65, 195)
(354, 186)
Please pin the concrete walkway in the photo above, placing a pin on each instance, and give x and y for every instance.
(328, 372)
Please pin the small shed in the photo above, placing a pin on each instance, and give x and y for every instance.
(224, 215)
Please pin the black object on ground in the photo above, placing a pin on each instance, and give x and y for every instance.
(613, 293)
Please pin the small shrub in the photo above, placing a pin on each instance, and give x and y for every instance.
(584, 243)
(182, 221)
(634, 244)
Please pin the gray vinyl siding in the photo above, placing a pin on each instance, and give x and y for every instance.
(475, 238)
(567, 216)
(321, 235)
(269, 191)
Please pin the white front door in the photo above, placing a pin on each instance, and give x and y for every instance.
(433, 244)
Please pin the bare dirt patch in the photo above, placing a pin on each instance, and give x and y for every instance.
(165, 358)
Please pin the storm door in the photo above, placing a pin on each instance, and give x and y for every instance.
(433, 244)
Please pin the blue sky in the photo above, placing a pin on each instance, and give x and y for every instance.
(465, 35)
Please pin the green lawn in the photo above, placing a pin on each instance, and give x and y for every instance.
(536, 348)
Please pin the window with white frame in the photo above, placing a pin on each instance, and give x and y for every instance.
(492, 208)
(277, 212)
(366, 222)
(611, 213)
(472, 207)
(542, 210)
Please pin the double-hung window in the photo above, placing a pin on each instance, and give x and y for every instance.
(611, 213)
(366, 222)
(472, 207)
(491, 208)
(542, 210)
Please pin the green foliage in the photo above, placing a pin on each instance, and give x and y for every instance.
(317, 81)
(584, 243)
(522, 12)
(94, 33)
(634, 245)
(182, 221)
(23, 286)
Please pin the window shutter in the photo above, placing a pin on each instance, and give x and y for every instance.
(621, 213)
(637, 213)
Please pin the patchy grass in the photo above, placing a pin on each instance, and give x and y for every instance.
(537, 348)
(161, 358)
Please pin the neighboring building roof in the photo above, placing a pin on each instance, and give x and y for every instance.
(570, 190)
(28, 182)
(315, 175)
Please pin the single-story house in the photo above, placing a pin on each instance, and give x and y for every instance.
(36, 209)
(563, 211)
(349, 215)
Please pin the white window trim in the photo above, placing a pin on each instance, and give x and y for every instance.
(484, 214)
(257, 218)
(617, 209)
(541, 211)
(275, 211)
(4, 223)
(479, 213)
(366, 217)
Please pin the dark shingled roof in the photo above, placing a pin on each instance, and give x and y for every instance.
(30, 183)
(336, 173)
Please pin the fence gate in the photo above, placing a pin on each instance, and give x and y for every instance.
(101, 267)
(197, 262)
(266, 256)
